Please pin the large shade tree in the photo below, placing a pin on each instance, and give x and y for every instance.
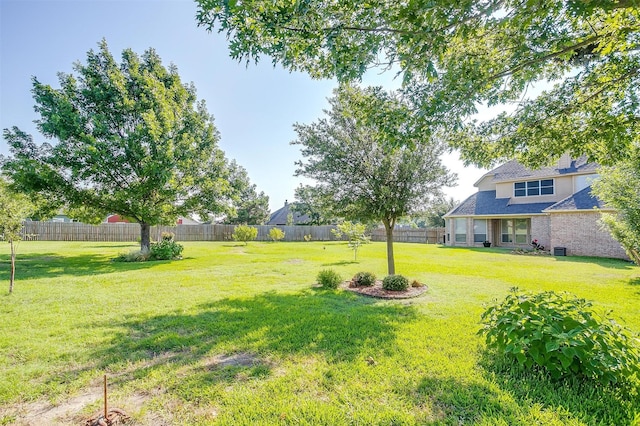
(130, 138)
(619, 187)
(453, 56)
(361, 170)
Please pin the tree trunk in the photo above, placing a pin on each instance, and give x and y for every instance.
(12, 275)
(388, 226)
(145, 239)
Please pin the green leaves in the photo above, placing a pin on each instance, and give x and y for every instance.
(618, 188)
(371, 159)
(15, 208)
(245, 233)
(561, 334)
(131, 139)
(454, 56)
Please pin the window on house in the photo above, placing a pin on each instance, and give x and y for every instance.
(460, 225)
(479, 230)
(533, 188)
(521, 230)
(515, 230)
(507, 230)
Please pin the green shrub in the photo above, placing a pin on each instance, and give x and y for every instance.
(329, 278)
(364, 279)
(276, 234)
(395, 283)
(562, 334)
(133, 256)
(245, 233)
(165, 249)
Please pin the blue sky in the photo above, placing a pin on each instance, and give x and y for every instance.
(254, 107)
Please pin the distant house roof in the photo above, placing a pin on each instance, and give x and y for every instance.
(513, 170)
(485, 203)
(581, 200)
(187, 221)
(279, 217)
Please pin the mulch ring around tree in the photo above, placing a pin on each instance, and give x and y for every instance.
(376, 290)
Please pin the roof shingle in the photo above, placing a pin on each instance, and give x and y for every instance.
(581, 200)
(513, 170)
(485, 203)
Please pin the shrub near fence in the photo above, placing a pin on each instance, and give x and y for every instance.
(117, 232)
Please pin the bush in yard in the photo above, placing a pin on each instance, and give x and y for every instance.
(561, 334)
(329, 278)
(364, 279)
(165, 249)
(245, 233)
(133, 256)
(416, 284)
(276, 234)
(395, 283)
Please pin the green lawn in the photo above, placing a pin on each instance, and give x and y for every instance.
(239, 335)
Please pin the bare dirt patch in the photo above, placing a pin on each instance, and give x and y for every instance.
(71, 411)
(242, 359)
(377, 291)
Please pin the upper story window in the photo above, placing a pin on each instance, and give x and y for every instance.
(533, 187)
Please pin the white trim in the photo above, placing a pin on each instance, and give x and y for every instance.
(489, 216)
(526, 188)
(593, 210)
(555, 176)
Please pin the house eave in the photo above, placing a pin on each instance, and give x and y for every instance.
(594, 210)
(547, 176)
(488, 216)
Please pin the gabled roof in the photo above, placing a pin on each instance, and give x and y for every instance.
(581, 200)
(485, 203)
(513, 170)
(279, 217)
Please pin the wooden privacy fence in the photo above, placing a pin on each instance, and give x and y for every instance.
(411, 235)
(64, 231)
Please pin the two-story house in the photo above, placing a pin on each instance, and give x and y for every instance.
(515, 205)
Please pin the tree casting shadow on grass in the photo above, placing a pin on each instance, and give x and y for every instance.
(506, 251)
(582, 399)
(40, 265)
(341, 263)
(336, 325)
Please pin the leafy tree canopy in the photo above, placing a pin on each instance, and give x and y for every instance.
(453, 56)
(309, 206)
(132, 139)
(251, 207)
(618, 188)
(433, 216)
(360, 175)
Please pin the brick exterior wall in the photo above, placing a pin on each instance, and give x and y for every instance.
(540, 230)
(582, 235)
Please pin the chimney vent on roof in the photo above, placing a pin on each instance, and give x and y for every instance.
(565, 161)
